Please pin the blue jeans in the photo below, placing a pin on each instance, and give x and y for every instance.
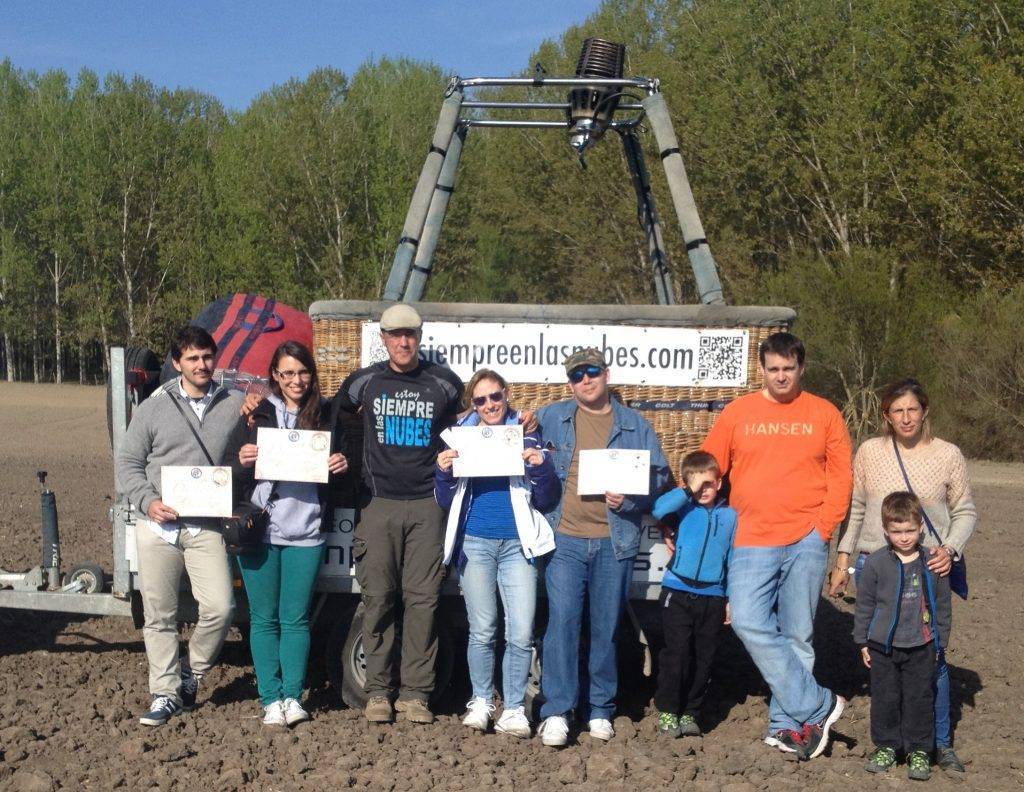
(493, 567)
(943, 738)
(773, 594)
(580, 571)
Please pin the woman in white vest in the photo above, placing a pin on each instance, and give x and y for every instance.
(496, 532)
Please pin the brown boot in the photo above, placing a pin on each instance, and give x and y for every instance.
(415, 710)
(378, 710)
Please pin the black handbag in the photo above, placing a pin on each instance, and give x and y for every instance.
(243, 531)
(958, 572)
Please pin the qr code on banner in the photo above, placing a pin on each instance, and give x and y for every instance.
(722, 358)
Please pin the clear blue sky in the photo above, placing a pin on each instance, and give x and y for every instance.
(235, 50)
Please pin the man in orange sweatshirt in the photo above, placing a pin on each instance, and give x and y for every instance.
(787, 453)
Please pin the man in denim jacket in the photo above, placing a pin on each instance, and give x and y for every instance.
(596, 541)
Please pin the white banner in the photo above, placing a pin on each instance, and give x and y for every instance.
(677, 356)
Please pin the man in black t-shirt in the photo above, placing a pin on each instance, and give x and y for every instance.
(405, 403)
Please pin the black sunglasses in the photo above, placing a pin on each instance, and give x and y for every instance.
(577, 374)
(496, 397)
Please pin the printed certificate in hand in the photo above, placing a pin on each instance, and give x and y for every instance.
(292, 455)
(486, 450)
(196, 491)
(619, 470)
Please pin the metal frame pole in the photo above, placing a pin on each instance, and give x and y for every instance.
(424, 261)
(420, 203)
(705, 272)
(119, 427)
(647, 214)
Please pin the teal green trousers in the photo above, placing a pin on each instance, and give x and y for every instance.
(279, 584)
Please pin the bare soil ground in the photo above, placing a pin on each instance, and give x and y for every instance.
(71, 687)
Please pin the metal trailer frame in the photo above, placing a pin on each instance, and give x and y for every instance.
(414, 256)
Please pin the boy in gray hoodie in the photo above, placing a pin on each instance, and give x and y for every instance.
(167, 545)
(901, 623)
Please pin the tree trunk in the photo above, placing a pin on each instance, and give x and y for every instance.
(104, 351)
(81, 361)
(12, 370)
(58, 348)
(36, 374)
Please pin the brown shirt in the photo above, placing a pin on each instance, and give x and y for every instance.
(585, 516)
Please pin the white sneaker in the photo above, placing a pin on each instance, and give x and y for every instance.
(513, 721)
(274, 714)
(601, 729)
(554, 731)
(294, 712)
(478, 715)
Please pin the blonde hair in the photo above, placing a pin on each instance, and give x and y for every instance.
(897, 390)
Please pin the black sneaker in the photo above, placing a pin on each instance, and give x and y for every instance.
(688, 727)
(946, 758)
(918, 766)
(668, 724)
(160, 711)
(189, 689)
(881, 760)
(815, 735)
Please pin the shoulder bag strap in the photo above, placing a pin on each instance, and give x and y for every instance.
(910, 489)
(188, 423)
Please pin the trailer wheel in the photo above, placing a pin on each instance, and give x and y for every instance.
(346, 659)
(139, 359)
(89, 575)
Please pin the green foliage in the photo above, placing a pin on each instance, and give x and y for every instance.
(858, 161)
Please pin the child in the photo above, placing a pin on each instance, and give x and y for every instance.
(693, 606)
(902, 621)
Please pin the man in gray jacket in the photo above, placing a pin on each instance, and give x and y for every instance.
(167, 545)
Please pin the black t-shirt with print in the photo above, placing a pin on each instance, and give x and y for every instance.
(403, 415)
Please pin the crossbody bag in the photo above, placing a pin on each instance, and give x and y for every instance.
(958, 572)
(243, 531)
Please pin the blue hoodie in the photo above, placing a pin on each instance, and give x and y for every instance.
(704, 540)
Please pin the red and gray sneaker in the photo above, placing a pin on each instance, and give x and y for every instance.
(785, 740)
(815, 735)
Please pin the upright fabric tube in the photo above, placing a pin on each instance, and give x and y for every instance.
(420, 203)
(424, 261)
(705, 272)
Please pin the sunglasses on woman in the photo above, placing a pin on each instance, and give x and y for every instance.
(577, 374)
(496, 398)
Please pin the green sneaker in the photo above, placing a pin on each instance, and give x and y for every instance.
(668, 724)
(881, 760)
(688, 726)
(918, 766)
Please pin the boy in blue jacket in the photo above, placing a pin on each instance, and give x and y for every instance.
(699, 532)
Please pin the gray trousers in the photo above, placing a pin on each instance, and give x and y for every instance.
(160, 567)
(397, 547)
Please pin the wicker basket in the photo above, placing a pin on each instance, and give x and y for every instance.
(337, 331)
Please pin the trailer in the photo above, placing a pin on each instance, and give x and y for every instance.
(676, 364)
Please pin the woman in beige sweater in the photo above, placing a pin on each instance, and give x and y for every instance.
(938, 475)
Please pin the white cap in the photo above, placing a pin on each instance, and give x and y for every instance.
(400, 316)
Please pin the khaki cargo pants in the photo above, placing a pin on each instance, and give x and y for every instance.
(160, 568)
(397, 549)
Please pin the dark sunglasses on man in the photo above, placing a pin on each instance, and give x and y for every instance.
(496, 398)
(577, 374)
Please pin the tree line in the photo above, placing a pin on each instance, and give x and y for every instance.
(858, 161)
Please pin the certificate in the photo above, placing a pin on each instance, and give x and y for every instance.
(196, 491)
(486, 450)
(292, 455)
(618, 470)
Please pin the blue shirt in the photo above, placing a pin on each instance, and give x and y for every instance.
(490, 513)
